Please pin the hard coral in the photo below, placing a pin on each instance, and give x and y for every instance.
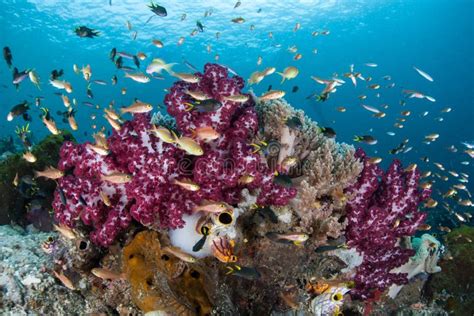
(325, 167)
(379, 213)
(150, 197)
(160, 282)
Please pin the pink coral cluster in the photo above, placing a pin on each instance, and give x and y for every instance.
(380, 212)
(151, 197)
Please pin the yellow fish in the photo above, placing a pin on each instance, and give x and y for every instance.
(28, 156)
(163, 133)
(188, 144)
(288, 73)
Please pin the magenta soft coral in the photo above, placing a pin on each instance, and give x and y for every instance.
(383, 208)
(150, 197)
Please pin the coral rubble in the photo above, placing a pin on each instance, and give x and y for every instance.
(25, 288)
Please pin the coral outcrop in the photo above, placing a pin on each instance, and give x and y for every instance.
(229, 224)
(380, 213)
(324, 169)
(151, 197)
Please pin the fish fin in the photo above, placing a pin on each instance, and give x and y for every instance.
(198, 246)
(282, 77)
(168, 67)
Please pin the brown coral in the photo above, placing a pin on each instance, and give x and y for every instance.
(325, 168)
(163, 283)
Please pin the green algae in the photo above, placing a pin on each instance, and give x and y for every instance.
(12, 203)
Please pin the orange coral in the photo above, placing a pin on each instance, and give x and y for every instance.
(161, 282)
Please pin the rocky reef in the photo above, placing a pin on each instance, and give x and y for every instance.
(231, 205)
(26, 287)
(452, 289)
(29, 200)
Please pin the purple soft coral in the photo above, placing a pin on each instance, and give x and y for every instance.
(379, 213)
(151, 197)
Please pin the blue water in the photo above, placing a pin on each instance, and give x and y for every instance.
(433, 35)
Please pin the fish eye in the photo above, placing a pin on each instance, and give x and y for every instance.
(83, 245)
(225, 218)
(233, 258)
(337, 297)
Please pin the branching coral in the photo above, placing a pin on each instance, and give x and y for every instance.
(380, 213)
(151, 197)
(326, 167)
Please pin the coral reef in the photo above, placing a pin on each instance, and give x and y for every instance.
(163, 220)
(31, 197)
(7, 147)
(25, 288)
(379, 214)
(151, 197)
(452, 288)
(325, 168)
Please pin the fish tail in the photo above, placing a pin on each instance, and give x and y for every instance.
(175, 137)
(298, 243)
(168, 67)
(189, 105)
(123, 110)
(37, 173)
(272, 236)
(282, 77)
(357, 138)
